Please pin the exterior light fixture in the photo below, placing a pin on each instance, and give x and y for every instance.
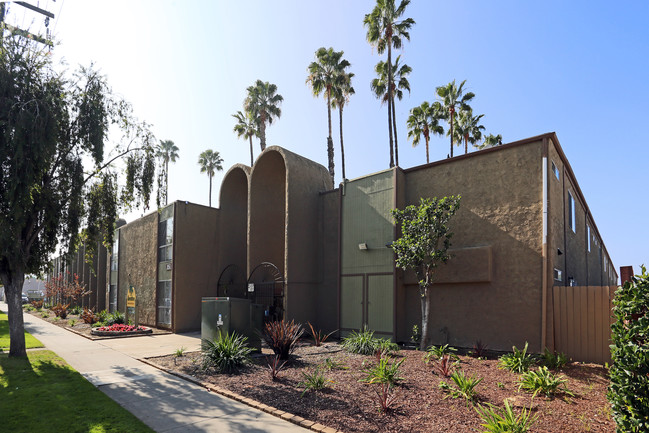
(362, 246)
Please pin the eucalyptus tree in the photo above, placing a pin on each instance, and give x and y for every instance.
(342, 91)
(210, 161)
(490, 141)
(422, 121)
(386, 29)
(167, 151)
(58, 166)
(324, 75)
(246, 127)
(468, 128)
(398, 82)
(263, 103)
(452, 97)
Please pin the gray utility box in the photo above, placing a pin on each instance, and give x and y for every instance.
(229, 315)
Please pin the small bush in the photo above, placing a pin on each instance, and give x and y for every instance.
(553, 360)
(385, 397)
(437, 352)
(444, 366)
(543, 381)
(319, 337)
(115, 318)
(37, 304)
(519, 361)
(45, 315)
(361, 342)
(384, 372)
(76, 310)
(331, 364)
(275, 366)
(60, 310)
(227, 353)
(464, 386)
(504, 420)
(180, 352)
(415, 337)
(479, 349)
(28, 307)
(88, 316)
(314, 380)
(282, 337)
(385, 347)
(102, 316)
(628, 391)
(72, 322)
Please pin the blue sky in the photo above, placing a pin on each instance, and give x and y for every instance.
(577, 68)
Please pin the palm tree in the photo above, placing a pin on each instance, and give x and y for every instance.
(167, 151)
(385, 30)
(490, 141)
(342, 91)
(468, 128)
(210, 161)
(400, 83)
(263, 104)
(247, 128)
(324, 74)
(422, 121)
(451, 96)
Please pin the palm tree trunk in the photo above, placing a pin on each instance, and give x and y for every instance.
(251, 160)
(452, 117)
(262, 131)
(330, 142)
(389, 101)
(166, 180)
(394, 126)
(342, 148)
(427, 159)
(210, 200)
(466, 144)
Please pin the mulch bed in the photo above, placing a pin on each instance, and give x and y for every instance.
(351, 406)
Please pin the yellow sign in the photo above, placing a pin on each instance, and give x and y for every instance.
(130, 297)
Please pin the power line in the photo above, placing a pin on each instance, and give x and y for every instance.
(14, 30)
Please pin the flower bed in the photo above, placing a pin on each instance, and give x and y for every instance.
(119, 329)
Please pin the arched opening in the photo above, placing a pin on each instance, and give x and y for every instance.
(234, 219)
(266, 287)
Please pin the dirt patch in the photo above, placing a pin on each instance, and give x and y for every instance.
(351, 406)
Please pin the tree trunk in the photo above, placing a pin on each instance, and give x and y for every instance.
(166, 181)
(452, 116)
(394, 126)
(426, 335)
(427, 159)
(466, 144)
(251, 160)
(210, 200)
(13, 281)
(342, 148)
(389, 101)
(330, 142)
(262, 131)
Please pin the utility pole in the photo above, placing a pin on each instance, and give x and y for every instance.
(20, 32)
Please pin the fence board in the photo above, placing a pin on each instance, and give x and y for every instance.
(582, 322)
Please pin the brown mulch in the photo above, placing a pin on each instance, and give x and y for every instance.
(420, 406)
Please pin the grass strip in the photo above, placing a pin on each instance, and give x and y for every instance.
(30, 341)
(42, 393)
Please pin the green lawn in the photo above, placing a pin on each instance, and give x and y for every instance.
(4, 335)
(44, 394)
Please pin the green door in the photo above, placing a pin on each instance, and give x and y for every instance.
(367, 300)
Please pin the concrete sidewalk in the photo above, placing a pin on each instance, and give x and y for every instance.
(164, 402)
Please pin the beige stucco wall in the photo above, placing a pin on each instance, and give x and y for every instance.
(195, 262)
(328, 254)
(492, 290)
(138, 255)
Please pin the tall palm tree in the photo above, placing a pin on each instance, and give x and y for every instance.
(247, 128)
(490, 141)
(423, 121)
(399, 83)
(385, 29)
(210, 161)
(324, 74)
(167, 151)
(468, 128)
(342, 91)
(263, 103)
(452, 97)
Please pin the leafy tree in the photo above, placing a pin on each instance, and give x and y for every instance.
(423, 246)
(324, 75)
(490, 141)
(342, 91)
(54, 175)
(468, 128)
(166, 151)
(210, 161)
(263, 103)
(385, 29)
(629, 374)
(398, 82)
(246, 127)
(452, 97)
(423, 121)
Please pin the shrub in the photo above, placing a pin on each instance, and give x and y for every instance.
(314, 380)
(385, 347)
(384, 372)
(415, 337)
(479, 349)
(275, 366)
(437, 352)
(61, 310)
(385, 397)
(505, 421)
(180, 352)
(226, 353)
(37, 304)
(102, 316)
(543, 381)
(72, 322)
(45, 315)
(444, 366)
(629, 373)
(29, 307)
(464, 386)
(282, 337)
(332, 364)
(76, 310)
(115, 318)
(89, 316)
(518, 361)
(553, 360)
(361, 342)
(319, 337)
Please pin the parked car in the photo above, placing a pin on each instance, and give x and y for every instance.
(25, 299)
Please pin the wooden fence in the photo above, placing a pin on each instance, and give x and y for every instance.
(582, 322)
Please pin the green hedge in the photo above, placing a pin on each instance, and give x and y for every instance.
(629, 374)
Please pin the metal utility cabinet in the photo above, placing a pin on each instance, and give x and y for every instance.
(227, 315)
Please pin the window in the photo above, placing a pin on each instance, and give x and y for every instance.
(555, 170)
(165, 240)
(571, 212)
(557, 275)
(588, 237)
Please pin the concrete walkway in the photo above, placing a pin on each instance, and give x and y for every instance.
(164, 402)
